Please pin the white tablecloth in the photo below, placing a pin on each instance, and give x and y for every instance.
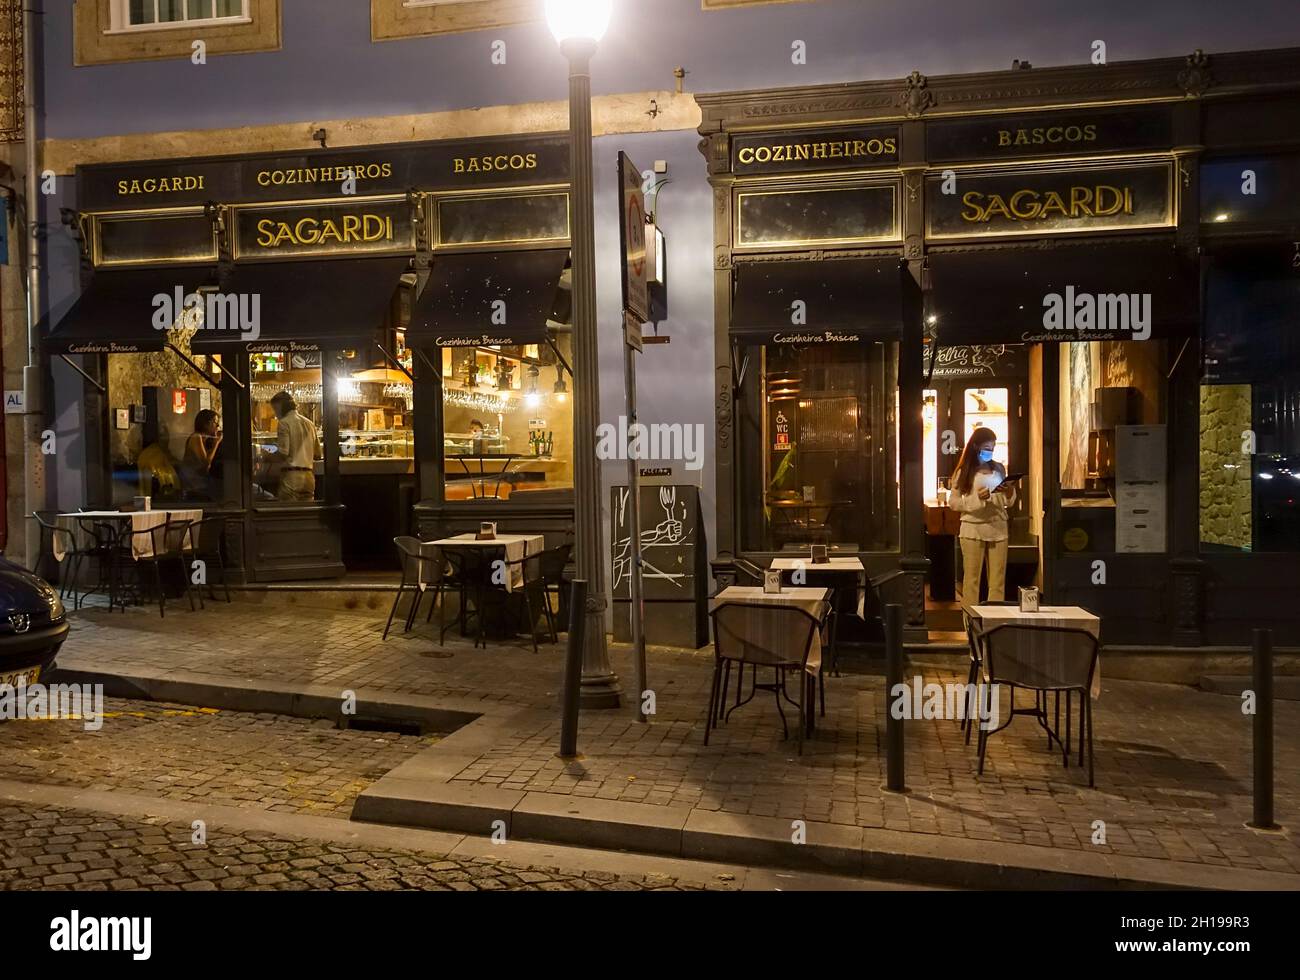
(1064, 617)
(811, 601)
(517, 548)
(139, 520)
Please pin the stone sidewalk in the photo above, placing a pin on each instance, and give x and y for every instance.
(1173, 763)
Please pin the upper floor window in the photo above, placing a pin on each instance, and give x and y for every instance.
(150, 15)
(392, 19)
(112, 31)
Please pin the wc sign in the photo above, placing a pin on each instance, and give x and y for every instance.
(14, 404)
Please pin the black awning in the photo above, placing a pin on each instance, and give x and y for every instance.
(999, 296)
(116, 312)
(461, 303)
(330, 304)
(845, 300)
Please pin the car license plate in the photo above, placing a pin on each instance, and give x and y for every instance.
(27, 677)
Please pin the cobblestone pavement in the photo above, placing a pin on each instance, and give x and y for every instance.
(258, 761)
(62, 849)
(1173, 764)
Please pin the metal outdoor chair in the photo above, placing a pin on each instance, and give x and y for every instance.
(527, 588)
(974, 648)
(53, 540)
(421, 572)
(554, 562)
(756, 635)
(470, 571)
(208, 540)
(167, 543)
(1044, 659)
(103, 541)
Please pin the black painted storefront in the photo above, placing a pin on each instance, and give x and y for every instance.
(992, 192)
(345, 248)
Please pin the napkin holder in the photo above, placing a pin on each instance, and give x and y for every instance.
(819, 555)
(142, 503)
(1029, 600)
(487, 531)
(771, 583)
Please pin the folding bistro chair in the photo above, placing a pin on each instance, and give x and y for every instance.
(758, 635)
(207, 541)
(166, 545)
(554, 562)
(420, 573)
(53, 540)
(1043, 659)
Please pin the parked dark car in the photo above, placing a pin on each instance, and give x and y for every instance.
(33, 624)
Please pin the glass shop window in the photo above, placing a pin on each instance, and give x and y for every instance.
(1114, 447)
(819, 430)
(1250, 406)
(164, 430)
(288, 426)
(377, 414)
(508, 423)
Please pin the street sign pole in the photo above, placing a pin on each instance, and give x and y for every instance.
(635, 590)
(636, 311)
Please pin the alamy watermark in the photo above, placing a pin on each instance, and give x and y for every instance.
(1098, 312)
(53, 702)
(955, 702)
(232, 312)
(658, 442)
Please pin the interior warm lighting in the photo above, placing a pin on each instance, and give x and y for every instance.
(1221, 217)
(578, 20)
(932, 319)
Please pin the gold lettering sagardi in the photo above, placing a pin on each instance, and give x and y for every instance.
(1101, 201)
(159, 185)
(499, 163)
(350, 229)
(324, 175)
(799, 152)
(1047, 135)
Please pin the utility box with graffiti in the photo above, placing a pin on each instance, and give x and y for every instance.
(675, 559)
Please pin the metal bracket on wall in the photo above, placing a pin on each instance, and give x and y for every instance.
(76, 367)
(396, 363)
(202, 373)
(560, 357)
(738, 373)
(428, 363)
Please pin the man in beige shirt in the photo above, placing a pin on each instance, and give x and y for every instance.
(296, 447)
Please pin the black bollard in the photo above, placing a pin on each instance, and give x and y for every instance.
(573, 670)
(1262, 649)
(893, 677)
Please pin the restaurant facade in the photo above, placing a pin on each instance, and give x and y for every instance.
(1099, 263)
(411, 300)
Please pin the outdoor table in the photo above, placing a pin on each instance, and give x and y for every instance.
(812, 601)
(140, 520)
(833, 566)
(479, 485)
(517, 548)
(1066, 617)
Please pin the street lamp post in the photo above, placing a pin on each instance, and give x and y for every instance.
(578, 26)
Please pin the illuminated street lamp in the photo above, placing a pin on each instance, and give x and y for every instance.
(578, 26)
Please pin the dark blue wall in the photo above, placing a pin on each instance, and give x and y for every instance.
(329, 69)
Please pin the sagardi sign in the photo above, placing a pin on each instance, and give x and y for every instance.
(322, 229)
(1049, 201)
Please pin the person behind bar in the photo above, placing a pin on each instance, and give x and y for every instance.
(982, 498)
(296, 448)
(200, 453)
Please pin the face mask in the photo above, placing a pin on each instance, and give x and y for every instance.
(986, 455)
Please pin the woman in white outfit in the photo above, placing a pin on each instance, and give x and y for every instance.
(982, 497)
